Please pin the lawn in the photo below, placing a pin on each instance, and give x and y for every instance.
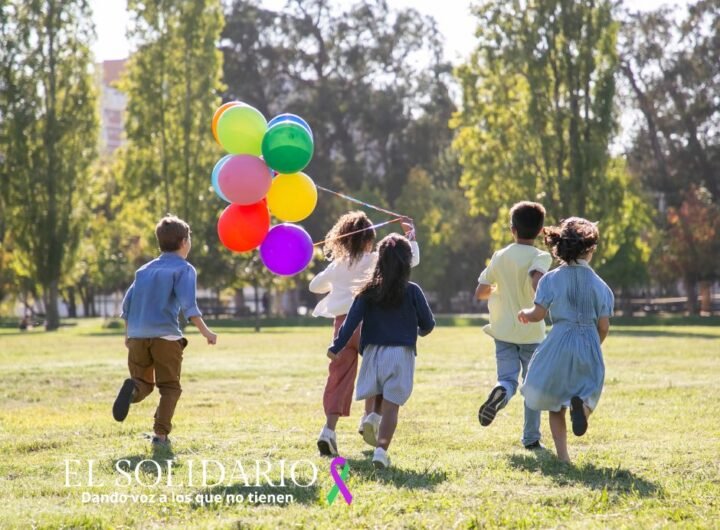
(651, 457)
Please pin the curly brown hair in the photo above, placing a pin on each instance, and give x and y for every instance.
(573, 238)
(352, 247)
(390, 278)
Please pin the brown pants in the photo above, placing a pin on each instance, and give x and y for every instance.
(338, 395)
(157, 362)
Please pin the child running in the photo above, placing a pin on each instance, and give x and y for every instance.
(393, 311)
(567, 369)
(155, 343)
(509, 282)
(349, 249)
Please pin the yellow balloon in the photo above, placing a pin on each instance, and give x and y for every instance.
(292, 197)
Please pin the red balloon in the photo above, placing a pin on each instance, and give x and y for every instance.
(243, 227)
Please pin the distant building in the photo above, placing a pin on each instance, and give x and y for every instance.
(112, 105)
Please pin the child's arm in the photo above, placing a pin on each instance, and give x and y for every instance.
(426, 320)
(483, 291)
(486, 280)
(409, 230)
(603, 327)
(185, 288)
(204, 330)
(125, 308)
(322, 282)
(352, 321)
(535, 278)
(536, 314)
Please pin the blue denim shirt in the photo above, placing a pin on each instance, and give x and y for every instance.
(162, 287)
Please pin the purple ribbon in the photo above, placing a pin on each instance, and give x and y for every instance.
(339, 479)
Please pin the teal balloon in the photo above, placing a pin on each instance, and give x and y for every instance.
(287, 147)
(216, 173)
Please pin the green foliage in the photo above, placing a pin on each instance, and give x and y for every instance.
(669, 61)
(49, 128)
(538, 117)
(172, 84)
(372, 83)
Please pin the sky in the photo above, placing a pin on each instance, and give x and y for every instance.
(453, 18)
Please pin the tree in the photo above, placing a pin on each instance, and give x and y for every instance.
(538, 116)
(49, 134)
(691, 248)
(371, 81)
(374, 86)
(672, 77)
(173, 83)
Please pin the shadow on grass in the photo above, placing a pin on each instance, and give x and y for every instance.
(599, 478)
(400, 478)
(149, 465)
(254, 495)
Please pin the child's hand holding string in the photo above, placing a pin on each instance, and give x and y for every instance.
(408, 227)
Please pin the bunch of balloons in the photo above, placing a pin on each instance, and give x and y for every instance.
(262, 174)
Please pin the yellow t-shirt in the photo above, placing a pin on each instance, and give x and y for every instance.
(509, 271)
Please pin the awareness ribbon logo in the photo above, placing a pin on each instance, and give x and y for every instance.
(339, 479)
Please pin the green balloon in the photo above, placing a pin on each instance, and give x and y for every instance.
(241, 129)
(287, 147)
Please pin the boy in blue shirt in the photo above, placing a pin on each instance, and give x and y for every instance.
(151, 308)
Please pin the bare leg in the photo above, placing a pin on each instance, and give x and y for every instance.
(558, 428)
(376, 404)
(331, 421)
(370, 405)
(388, 424)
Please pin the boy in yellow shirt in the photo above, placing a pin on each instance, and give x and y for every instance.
(508, 283)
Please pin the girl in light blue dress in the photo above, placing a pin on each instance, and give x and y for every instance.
(567, 369)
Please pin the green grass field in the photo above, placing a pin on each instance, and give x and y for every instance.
(651, 457)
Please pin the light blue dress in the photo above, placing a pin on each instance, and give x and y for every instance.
(569, 361)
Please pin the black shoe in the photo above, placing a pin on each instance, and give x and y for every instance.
(577, 416)
(121, 407)
(535, 446)
(494, 402)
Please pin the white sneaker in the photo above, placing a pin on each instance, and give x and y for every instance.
(380, 459)
(360, 425)
(327, 443)
(370, 428)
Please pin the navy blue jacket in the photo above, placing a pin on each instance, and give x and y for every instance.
(387, 326)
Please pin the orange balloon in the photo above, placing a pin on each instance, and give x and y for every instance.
(216, 117)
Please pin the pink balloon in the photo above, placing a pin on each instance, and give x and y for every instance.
(244, 179)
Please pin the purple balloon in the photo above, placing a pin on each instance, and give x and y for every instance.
(287, 249)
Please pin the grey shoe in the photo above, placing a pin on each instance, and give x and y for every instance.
(157, 443)
(535, 446)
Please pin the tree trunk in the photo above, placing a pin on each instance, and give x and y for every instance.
(52, 315)
(691, 291)
(70, 301)
(705, 297)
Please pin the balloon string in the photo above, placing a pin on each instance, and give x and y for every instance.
(358, 231)
(358, 201)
